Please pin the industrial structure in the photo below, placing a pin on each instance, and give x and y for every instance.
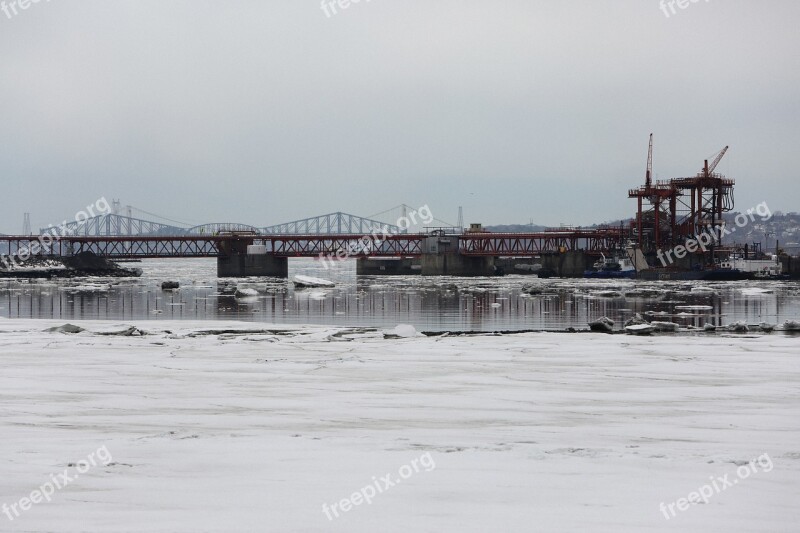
(671, 211)
(668, 213)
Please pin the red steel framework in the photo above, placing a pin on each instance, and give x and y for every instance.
(654, 225)
(703, 200)
(671, 211)
(404, 245)
(594, 241)
(113, 247)
(214, 246)
(591, 241)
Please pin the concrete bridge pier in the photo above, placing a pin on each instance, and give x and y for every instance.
(570, 264)
(239, 258)
(441, 257)
(244, 265)
(366, 266)
(457, 265)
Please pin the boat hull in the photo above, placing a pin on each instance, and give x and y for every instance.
(614, 274)
(704, 275)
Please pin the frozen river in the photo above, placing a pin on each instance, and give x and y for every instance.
(190, 426)
(511, 303)
(314, 410)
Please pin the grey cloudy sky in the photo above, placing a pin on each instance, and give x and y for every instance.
(263, 112)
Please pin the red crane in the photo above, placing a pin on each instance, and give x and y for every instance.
(654, 223)
(709, 169)
(648, 177)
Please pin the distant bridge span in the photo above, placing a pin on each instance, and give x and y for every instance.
(113, 224)
(221, 227)
(332, 223)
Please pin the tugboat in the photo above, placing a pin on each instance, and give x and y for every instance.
(615, 267)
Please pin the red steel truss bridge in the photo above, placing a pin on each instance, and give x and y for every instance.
(214, 246)
(591, 241)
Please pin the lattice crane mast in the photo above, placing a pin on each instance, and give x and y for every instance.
(709, 169)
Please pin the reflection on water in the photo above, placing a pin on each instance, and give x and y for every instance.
(431, 304)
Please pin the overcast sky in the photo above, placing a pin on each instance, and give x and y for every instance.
(263, 112)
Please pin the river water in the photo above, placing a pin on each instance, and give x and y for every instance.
(510, 303)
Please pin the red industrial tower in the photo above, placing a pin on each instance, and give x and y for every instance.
(703, 200)
(682, 208)
(654, 225)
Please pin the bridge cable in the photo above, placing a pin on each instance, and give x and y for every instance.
(188, 225)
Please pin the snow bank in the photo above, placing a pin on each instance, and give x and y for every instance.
(229, 427)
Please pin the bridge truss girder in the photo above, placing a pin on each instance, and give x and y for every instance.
(114, 225)
(332, 224)
(594, 242)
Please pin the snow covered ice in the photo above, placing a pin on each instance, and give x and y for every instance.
(225, 426)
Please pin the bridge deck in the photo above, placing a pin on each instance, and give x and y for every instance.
(403, 245)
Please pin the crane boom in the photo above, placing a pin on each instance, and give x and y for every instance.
(648, 177)
(709, 169)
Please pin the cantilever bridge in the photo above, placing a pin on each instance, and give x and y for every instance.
(115, 224)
